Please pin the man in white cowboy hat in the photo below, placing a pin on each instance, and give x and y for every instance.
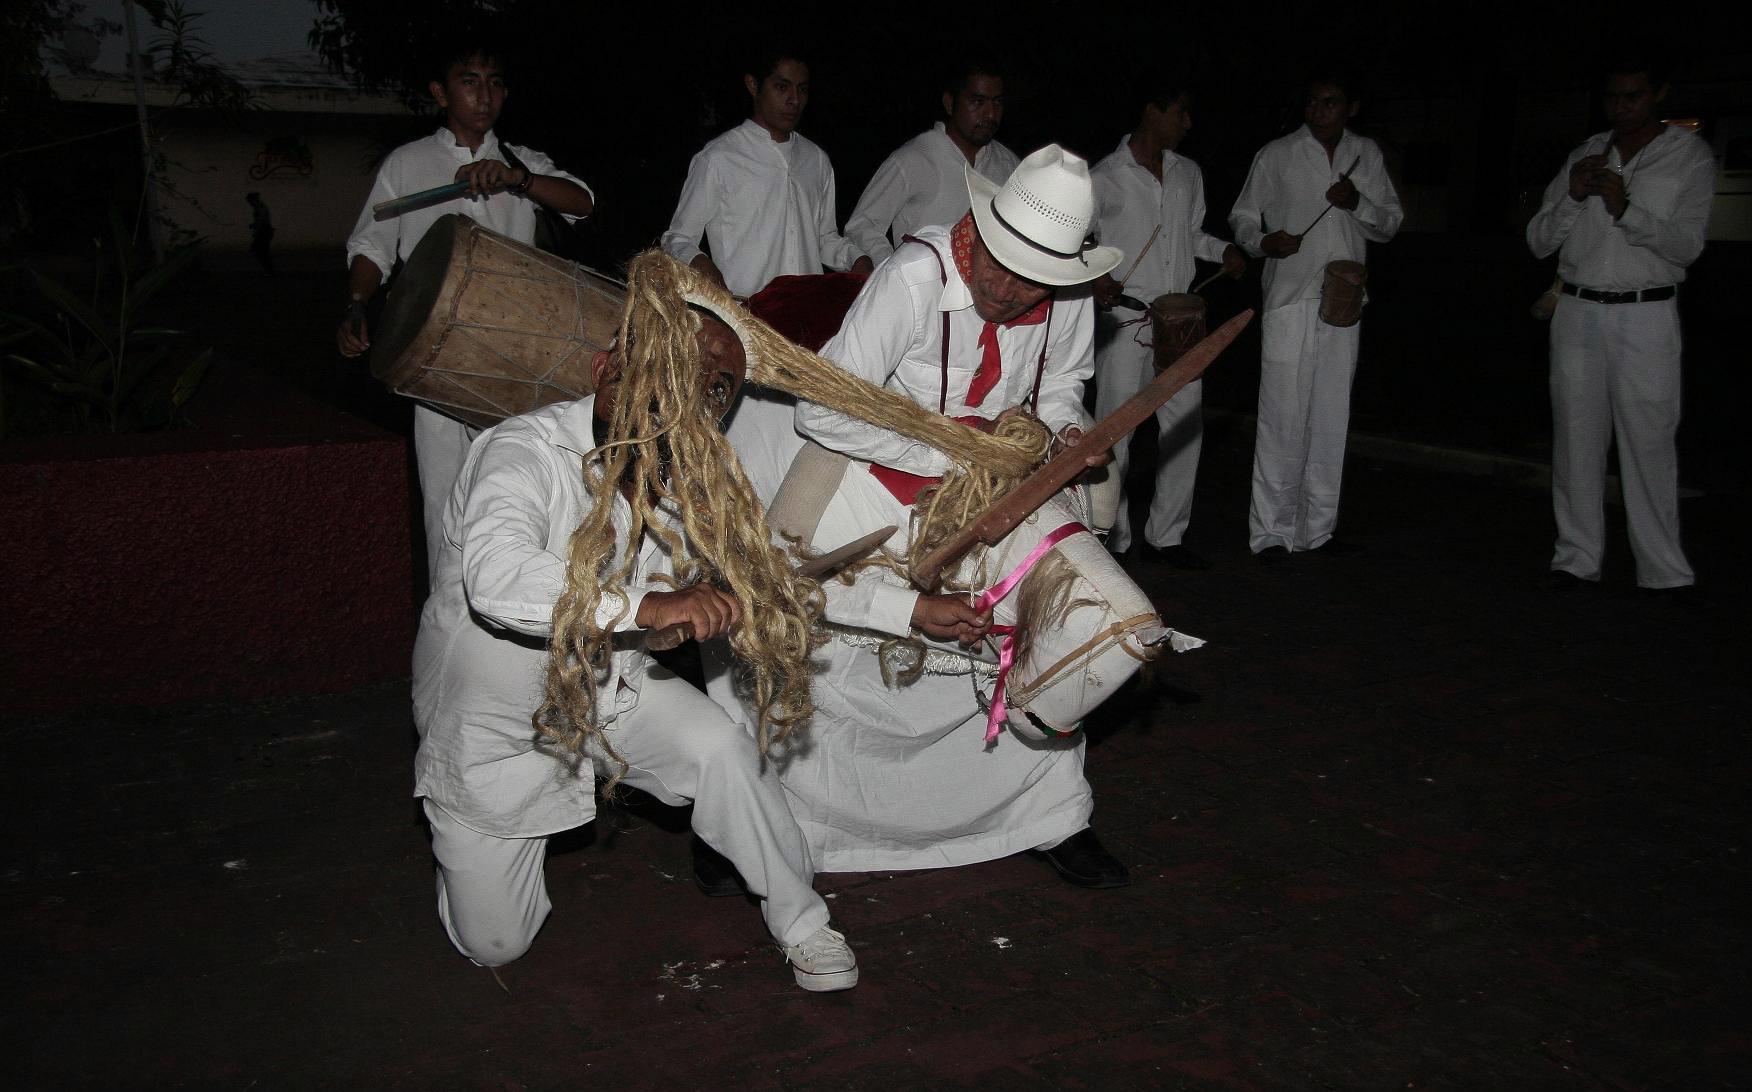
(986, 315)
(977, 319)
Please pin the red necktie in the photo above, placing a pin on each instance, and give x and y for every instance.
(990, 365)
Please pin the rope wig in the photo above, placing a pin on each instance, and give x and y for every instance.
(665, 441)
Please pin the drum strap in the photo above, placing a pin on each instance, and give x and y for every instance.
(943, 387)
(810, 483)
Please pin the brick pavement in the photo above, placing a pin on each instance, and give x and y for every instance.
(1406, 823)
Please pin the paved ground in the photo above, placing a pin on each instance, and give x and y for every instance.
(1407, 822)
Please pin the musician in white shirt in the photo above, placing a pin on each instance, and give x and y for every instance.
(1147, 195)
(922, 183)
(762, 194)
(1306, 365)
(1627, 214)
(472, 93)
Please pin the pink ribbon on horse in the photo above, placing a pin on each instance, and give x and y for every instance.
(996, 594)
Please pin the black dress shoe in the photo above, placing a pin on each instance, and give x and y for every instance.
(1081, 860)
(1339, 547)
(1564, 582)
(713, 873)
(1273, 555)
(1180, 557)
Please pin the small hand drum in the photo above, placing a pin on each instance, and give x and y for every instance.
(1341, 294)
(1177, 323)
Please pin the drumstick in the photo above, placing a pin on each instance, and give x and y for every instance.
(1202, 285)
(1140, 257)
(437, 195)
(1329, 207)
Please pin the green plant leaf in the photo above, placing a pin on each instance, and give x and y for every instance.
(190, 379)
(139, 366)
(51, 338)
(77, 310)
(158, 276)
(54, 383)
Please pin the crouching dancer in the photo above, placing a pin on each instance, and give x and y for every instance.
(575, 533)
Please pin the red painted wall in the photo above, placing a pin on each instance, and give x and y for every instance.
(185, 565)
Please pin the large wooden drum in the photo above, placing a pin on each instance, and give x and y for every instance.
(482, 327)
(1177, 323)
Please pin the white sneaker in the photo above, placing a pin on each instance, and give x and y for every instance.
(823, 962)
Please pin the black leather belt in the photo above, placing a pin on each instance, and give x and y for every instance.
(1647, 295)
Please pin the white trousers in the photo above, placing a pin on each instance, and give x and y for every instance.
(1123, 365)
(440, 448)
(1305, 372)
(492, 897)
(1615, 374)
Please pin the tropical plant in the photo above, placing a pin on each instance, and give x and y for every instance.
(97, 360)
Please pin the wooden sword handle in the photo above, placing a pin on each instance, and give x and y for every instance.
(1013, 507)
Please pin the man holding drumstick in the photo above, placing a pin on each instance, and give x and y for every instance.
(1330, 186)
(1149, 202)
(471, 91)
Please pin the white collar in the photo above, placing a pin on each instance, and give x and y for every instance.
(575, 431)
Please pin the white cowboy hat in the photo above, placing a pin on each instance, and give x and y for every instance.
(1037, 224)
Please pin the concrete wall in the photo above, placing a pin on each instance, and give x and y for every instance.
(313, 170)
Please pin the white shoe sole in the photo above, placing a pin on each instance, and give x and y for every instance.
(827, 982)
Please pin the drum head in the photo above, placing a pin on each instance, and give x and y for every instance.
(414, 295)
(1353, 272)
(1178, 305)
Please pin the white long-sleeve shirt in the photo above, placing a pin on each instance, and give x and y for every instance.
(1286, 191)
(1668, 187)
(765, 207)
(893, 336)
(1130, 204)
(433, 161)
(921, 184)
(481, 654)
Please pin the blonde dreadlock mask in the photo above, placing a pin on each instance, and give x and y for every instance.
(661, 394)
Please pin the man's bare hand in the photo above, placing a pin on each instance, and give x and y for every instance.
(351, 336)
(1583, 177)
(1071, 436)
(1105, 290)
(1280, 244)
(949, 618)
(864, 265)
(1343, 194)
(489, 176)
(703, 608)
(1234, 261)
(703, 263)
